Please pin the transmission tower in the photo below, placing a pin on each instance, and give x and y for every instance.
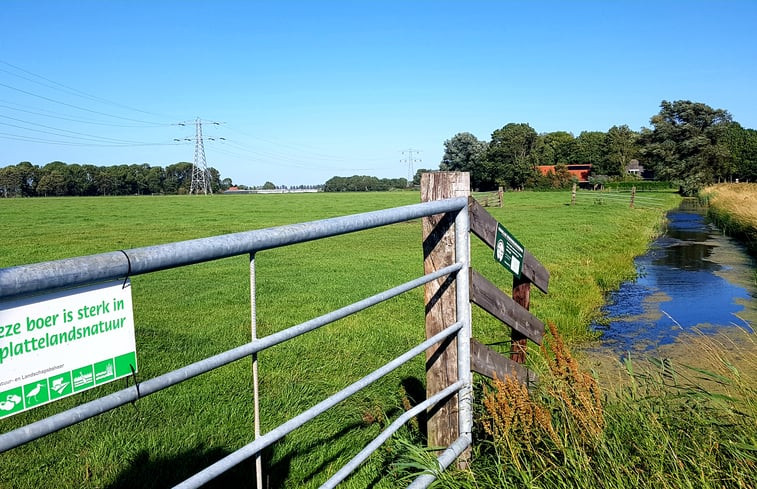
(200, 174)
(409, 159)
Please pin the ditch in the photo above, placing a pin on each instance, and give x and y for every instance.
(693, 280)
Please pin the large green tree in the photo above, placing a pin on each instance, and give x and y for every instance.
(743, 146)
(688, 144)
(591, 149)
(556, 148)
(10, 181)
(464, 152)
(621, 147)
(510, 158)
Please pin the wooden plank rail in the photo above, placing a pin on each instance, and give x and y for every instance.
(483, 225)
(490, 298)
(489, 363)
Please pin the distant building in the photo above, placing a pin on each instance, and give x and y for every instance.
(635, 168)
(581, 172)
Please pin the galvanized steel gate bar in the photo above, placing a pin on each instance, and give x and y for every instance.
(72, 272)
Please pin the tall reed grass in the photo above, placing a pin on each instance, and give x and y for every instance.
(669, 425)
(733, 207)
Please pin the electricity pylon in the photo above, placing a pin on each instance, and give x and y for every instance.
(410, 160)
(200, 173)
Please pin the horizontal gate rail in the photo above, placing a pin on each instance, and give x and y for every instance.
(444, 460)
(93, 408)
(398, 423)
(72, 272)
(284, 429)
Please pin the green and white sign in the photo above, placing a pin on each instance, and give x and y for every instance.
(508, 251)
(59, 344)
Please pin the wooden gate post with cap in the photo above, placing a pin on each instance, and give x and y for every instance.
(441, 309)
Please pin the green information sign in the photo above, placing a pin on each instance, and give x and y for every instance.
(63, 343)
(508, 251)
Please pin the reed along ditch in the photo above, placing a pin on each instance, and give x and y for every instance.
(692, 280)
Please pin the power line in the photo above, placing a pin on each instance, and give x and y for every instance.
(74, 91)
(88, 137)
(32, 139)
(71, 119)
(311, 153)
(72, 105)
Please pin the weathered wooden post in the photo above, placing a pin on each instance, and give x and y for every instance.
(573, 196)
(440, 300)
(633, 195)
(500, 193)
(522, 296)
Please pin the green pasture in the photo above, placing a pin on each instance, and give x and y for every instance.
(187, 314)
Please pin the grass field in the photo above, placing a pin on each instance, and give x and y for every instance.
(186, 314)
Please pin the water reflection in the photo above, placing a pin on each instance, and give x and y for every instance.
(692, 277)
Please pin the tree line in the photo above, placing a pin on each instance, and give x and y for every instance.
(363, 183)
(62, 179)
(689, 144)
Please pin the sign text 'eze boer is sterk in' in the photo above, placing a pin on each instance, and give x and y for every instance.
(56, 345)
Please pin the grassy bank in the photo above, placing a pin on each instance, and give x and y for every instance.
(184, 315)
(733, 207)
(666, 426)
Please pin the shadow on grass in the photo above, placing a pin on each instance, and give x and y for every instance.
(275, 474)
(151, 471)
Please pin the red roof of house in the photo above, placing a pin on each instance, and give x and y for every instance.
(581, 172)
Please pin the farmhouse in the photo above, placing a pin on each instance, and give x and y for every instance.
(581, 172)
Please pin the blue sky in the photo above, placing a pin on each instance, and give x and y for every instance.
(307, 90)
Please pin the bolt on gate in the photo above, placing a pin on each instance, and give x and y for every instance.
(448, 214)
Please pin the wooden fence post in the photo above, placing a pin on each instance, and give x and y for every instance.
(633, 195)
(521, 295)
(573, 196)
(441, 310)
(500, 193)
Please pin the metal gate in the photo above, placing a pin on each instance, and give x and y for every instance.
(73, 272)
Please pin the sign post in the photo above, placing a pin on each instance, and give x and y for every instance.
(59, 344)
(509, 253)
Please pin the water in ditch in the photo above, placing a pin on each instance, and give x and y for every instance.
(692, 281)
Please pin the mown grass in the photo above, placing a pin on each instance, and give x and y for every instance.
(186, 314)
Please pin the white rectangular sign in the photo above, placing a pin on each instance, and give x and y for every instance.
(56, 345)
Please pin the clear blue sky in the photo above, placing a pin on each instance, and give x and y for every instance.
(308, 90)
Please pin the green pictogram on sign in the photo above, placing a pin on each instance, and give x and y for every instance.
(83, 378)
(104, 371)
(36, 393)
(64, 384)
(11, 401)
(60, 386)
